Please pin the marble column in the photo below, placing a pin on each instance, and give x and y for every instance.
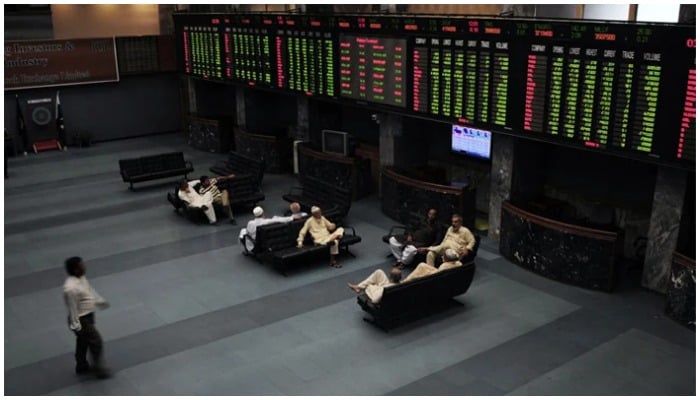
(302, 131)
(390, 127)
(665, 219)
(240, 107)
(501, 179)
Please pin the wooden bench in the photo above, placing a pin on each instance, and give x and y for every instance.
(159, 166)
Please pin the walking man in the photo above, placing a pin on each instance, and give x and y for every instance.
(82, 300)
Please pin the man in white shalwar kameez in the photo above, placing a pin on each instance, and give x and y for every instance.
(196, 200)
(260, 220)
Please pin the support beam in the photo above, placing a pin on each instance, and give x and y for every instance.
(240, 107)
(501, 180)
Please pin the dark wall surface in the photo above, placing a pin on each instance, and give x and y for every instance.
(269, 113)
(134, 106)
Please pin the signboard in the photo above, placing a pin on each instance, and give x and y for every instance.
(42, 63)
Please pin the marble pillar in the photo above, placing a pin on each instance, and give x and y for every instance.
(240, 107)
(191, 96)
(666, 210)
(302, 131)
(390, 127)
(501, 179)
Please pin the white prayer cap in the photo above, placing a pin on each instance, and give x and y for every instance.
(315, 209)
(451, 255)
(258, 211)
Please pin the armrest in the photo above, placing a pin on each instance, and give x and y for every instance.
(396, 228)
(351, 228)
(243, 242)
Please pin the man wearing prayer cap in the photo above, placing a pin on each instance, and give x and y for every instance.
(323, 232)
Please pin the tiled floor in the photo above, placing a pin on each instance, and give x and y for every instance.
(191, 315)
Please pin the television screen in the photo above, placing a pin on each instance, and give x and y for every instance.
(334, 142)
(471, 141)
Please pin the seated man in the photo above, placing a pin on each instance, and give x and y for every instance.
(404, 248)
(450, 260)
(374, 285)
(209, 185)
(295, 210)
(457, 238)
(323, 232)
(195, 200)
(259, 220)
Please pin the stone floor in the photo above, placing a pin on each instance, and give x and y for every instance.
(190, 315)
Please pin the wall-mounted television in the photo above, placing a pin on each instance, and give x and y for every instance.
(471, 141)
(335, 142)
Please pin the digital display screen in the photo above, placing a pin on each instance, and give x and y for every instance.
(619, 88)
(305, 59)
(373, 69)
(608, 87)
(471, 141)
(248, 55)
(200, 48)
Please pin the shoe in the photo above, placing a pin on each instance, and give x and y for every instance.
(103, 373)
(82, 369)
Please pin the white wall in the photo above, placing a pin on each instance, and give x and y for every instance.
(608, 12)
(72, 21)
(667, 12)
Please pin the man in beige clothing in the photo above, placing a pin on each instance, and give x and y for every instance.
(323, 232)
(450, 260)
(374, 284)
(457, 238)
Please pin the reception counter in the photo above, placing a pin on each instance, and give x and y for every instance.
(572, 254)
(681, 290)
(406, 199)
(347, 172)
(275, 150)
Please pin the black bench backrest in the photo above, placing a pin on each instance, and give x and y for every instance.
(326, 195)
(152, 164)
(241, 164)
(174, 161)
(130, 167)
(431, 289)
(272, 237)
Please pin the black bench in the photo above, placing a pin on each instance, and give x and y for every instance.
(420, 297)
(240, 165)
(147, 168)
(242, 193)
(277, 244)
(314, 192)
(194, 214)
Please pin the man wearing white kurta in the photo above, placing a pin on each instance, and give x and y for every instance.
(260, 220)
(374, 284)
(196, 200)
(82, 301)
